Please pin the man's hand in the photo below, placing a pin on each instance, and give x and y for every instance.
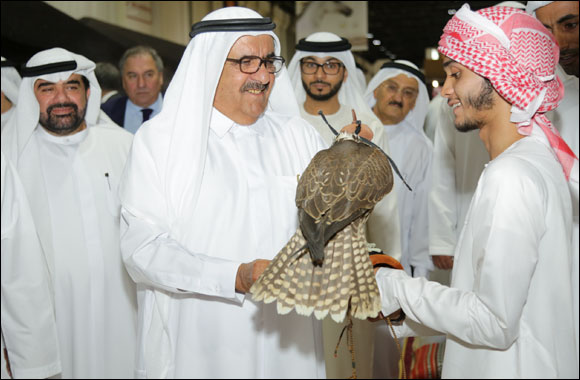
(443, 262)
(365, 130)
(396, 318)
(248, 273)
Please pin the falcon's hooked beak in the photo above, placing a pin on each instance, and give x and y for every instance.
(348, 136)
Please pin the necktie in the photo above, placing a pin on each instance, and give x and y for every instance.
(146, 113)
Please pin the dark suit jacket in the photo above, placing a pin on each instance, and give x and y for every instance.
(115, 109)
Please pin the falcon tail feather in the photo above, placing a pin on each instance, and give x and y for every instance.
(345, 278)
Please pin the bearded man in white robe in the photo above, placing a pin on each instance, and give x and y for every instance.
(326, 86)
(512, 262)
(208, 200)
(323, 74)
(70, 168)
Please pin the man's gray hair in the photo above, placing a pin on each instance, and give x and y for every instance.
(138, 50)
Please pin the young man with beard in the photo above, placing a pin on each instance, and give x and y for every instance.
(512, 261)
(70, 167)
(458, 160)
(323, 75)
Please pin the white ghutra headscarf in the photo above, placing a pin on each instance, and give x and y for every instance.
(165, 169)
(416, 116)
(10, 81)
(531, 6)
(52, 65)
(519, 57)
(350, 93)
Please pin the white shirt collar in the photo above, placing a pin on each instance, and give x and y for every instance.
(221, 124)
(76, 138)
(156, 106)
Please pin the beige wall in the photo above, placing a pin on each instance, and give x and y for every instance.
(171, 20)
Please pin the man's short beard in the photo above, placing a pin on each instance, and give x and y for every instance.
(62, 125)
(322, 98)
(483, 102)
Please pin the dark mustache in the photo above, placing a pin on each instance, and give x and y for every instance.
(61, 105)
(395, 103)
(319, 82)
(254, 85)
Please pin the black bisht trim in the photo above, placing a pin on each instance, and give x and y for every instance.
(323, 47)
(395, 65)
(49, 68)
(232, 25)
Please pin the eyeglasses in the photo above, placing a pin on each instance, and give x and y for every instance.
(407, 93)
(251, 64)
(329, 67)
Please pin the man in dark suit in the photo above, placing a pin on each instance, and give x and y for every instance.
(142, 76)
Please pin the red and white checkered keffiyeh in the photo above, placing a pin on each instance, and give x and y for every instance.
(519, 56)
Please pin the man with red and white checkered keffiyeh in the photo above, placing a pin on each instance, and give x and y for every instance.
(508, 311)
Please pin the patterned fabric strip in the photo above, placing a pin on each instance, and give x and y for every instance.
(522, 71)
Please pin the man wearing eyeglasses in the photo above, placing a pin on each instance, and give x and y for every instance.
(208, 200)
(323, 75)
(398, 96)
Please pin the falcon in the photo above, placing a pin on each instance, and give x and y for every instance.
(325, 267)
